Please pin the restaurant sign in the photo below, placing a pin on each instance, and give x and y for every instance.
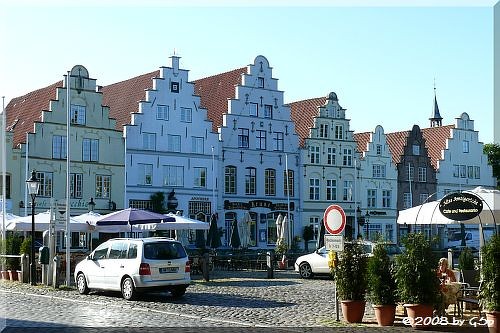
(461, 206)
(233, 205)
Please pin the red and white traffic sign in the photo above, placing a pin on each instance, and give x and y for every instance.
(334, 219)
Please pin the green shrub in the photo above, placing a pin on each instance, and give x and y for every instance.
(466, 259)
(489, 293)
(381, 289)
(350, 272)
(26, 246)
(13, 246)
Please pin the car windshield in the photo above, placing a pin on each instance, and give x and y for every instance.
(164, 251)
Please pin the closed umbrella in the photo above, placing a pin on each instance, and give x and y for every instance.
(234, 241)
(321, 237)
(284, 231)
(279, 224)
(244, 229)
(213, 237)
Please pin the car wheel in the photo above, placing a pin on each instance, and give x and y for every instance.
(128, 289)
(81, 284)
(178, 291)
(305, 270)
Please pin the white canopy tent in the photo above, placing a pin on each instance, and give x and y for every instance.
(42, 221)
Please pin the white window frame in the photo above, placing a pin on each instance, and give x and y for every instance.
(347, 190)
(186, 115)
(230, 173)
(386, 198)
(173, 175)
(146, 174)
(407, 200)
(371, 198)
(250, 181)
(270, 182)
(465, 146)
(347, 157)
(253, 110)
(331, 155)
(331, 189)
(198, 144)
(268, 111)
(314, 154)
(78, 114)
(148, 141)
(162, 112)
(339, 132)
(314, 189)
(261, 142)
(174, 143)
(46, 180)
(422, 174)
(243, 138)
(200, 177)
(90, 150)
(76, 185)
(279, 141)
(59, 145)
(323, 130)
(103, 186)
(416, 150)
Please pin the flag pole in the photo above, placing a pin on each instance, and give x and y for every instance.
(68, 139)
(4, 168)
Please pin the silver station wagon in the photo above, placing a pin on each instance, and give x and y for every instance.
(132, 265)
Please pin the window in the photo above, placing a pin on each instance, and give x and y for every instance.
(456, 170)
(200, 177)
(314, 154)
(371, 195)
(261, 140)
(174, 143)
(270, 182)
(260, 82)
(118, 250)
(378, 171)
(379, 149)
(186, 115)
(465, 146)
(330, 155)
(243, 138)
(422, 174)
(253, 109)
(197, 145)
(290, 183)
(230, 180)
(7, 187)
(410, 170)
(314, 221)
(386, 198)
(407, 200)
(331, 189)
(173, 175)
(278, 141)
(58, 147)
(148, 141)
(339, 132)
(162, 112)
(323, 130)
(268, 111)
(146, 174)
(416, 150)
(103, 186)
(250, 181)
(423, 197)
(347, 157)
(76, 184)
(90, 150)
(78, 114)
(313, 189)
(46, 183)
(101, 252)
(477, 172)
(470, 172)
(347, 195)
(463, 171)
(174, 87)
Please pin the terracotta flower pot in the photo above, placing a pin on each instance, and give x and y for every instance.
(20, 276)
(385, 314)
(492, 318)
(353, 311)
(5, 275)
(12, 275)
(420, 315)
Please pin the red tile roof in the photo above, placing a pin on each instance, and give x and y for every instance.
(303, 113)
(362, 141)
(397, 143)
(23, 111)
(214, 92)
(435, 141)
(123, 97)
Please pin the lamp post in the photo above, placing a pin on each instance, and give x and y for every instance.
(361, 221)
(91, 205)
(367, 218)
(33, 184)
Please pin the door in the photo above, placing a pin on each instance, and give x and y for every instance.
(94, 270)
(116, 265)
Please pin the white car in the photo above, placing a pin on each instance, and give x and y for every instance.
(131, 265)
(313, 263)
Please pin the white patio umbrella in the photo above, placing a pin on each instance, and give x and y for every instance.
(244, 229)
(279, 224)
(284, 231)
(181, 235)
(42, 221)
(90, 218)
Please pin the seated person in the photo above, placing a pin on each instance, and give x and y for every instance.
(444, 273)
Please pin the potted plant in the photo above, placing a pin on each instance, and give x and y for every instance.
(416, 279)
(489, 292)
(280, 251)
(381, 289)
(466, 260)
(307, 235)
(350, 277)
(13, 246)
(25, 249)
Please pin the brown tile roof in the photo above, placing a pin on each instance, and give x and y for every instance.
(123, 97)
(214, 92)
(362, 141)
(23, 111)
(435, 141)
(303, 113)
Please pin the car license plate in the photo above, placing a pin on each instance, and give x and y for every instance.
(168, 270)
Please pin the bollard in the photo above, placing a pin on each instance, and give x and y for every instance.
(25, 268)
(269, 263)
(205, 266)
(55, 268)
(450, 258)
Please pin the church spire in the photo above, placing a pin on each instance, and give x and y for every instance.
(436, 119)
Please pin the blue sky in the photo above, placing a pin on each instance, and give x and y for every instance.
(381, 61)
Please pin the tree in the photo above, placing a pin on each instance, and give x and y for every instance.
(307, 235)
(493, 152)
(157, 200)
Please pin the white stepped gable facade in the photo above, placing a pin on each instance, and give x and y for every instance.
(378, 189)
(171, 147)
(258, 141)
(328, 166)
(463, 165)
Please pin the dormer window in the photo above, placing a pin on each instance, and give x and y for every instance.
(260, 82)
(416, 150)
(78, 114)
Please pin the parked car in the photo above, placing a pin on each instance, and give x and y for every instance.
(132, 265)
(316, 263)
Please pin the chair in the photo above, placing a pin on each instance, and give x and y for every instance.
(469, 291)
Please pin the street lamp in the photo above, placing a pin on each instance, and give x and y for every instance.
(367, 218)
(361, 221)
(91, 205)
(33, 184)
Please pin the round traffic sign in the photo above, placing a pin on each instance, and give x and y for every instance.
(334, 219)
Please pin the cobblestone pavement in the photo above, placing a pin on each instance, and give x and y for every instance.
(245, 299)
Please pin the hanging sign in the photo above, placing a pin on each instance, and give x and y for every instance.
(461, 206)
